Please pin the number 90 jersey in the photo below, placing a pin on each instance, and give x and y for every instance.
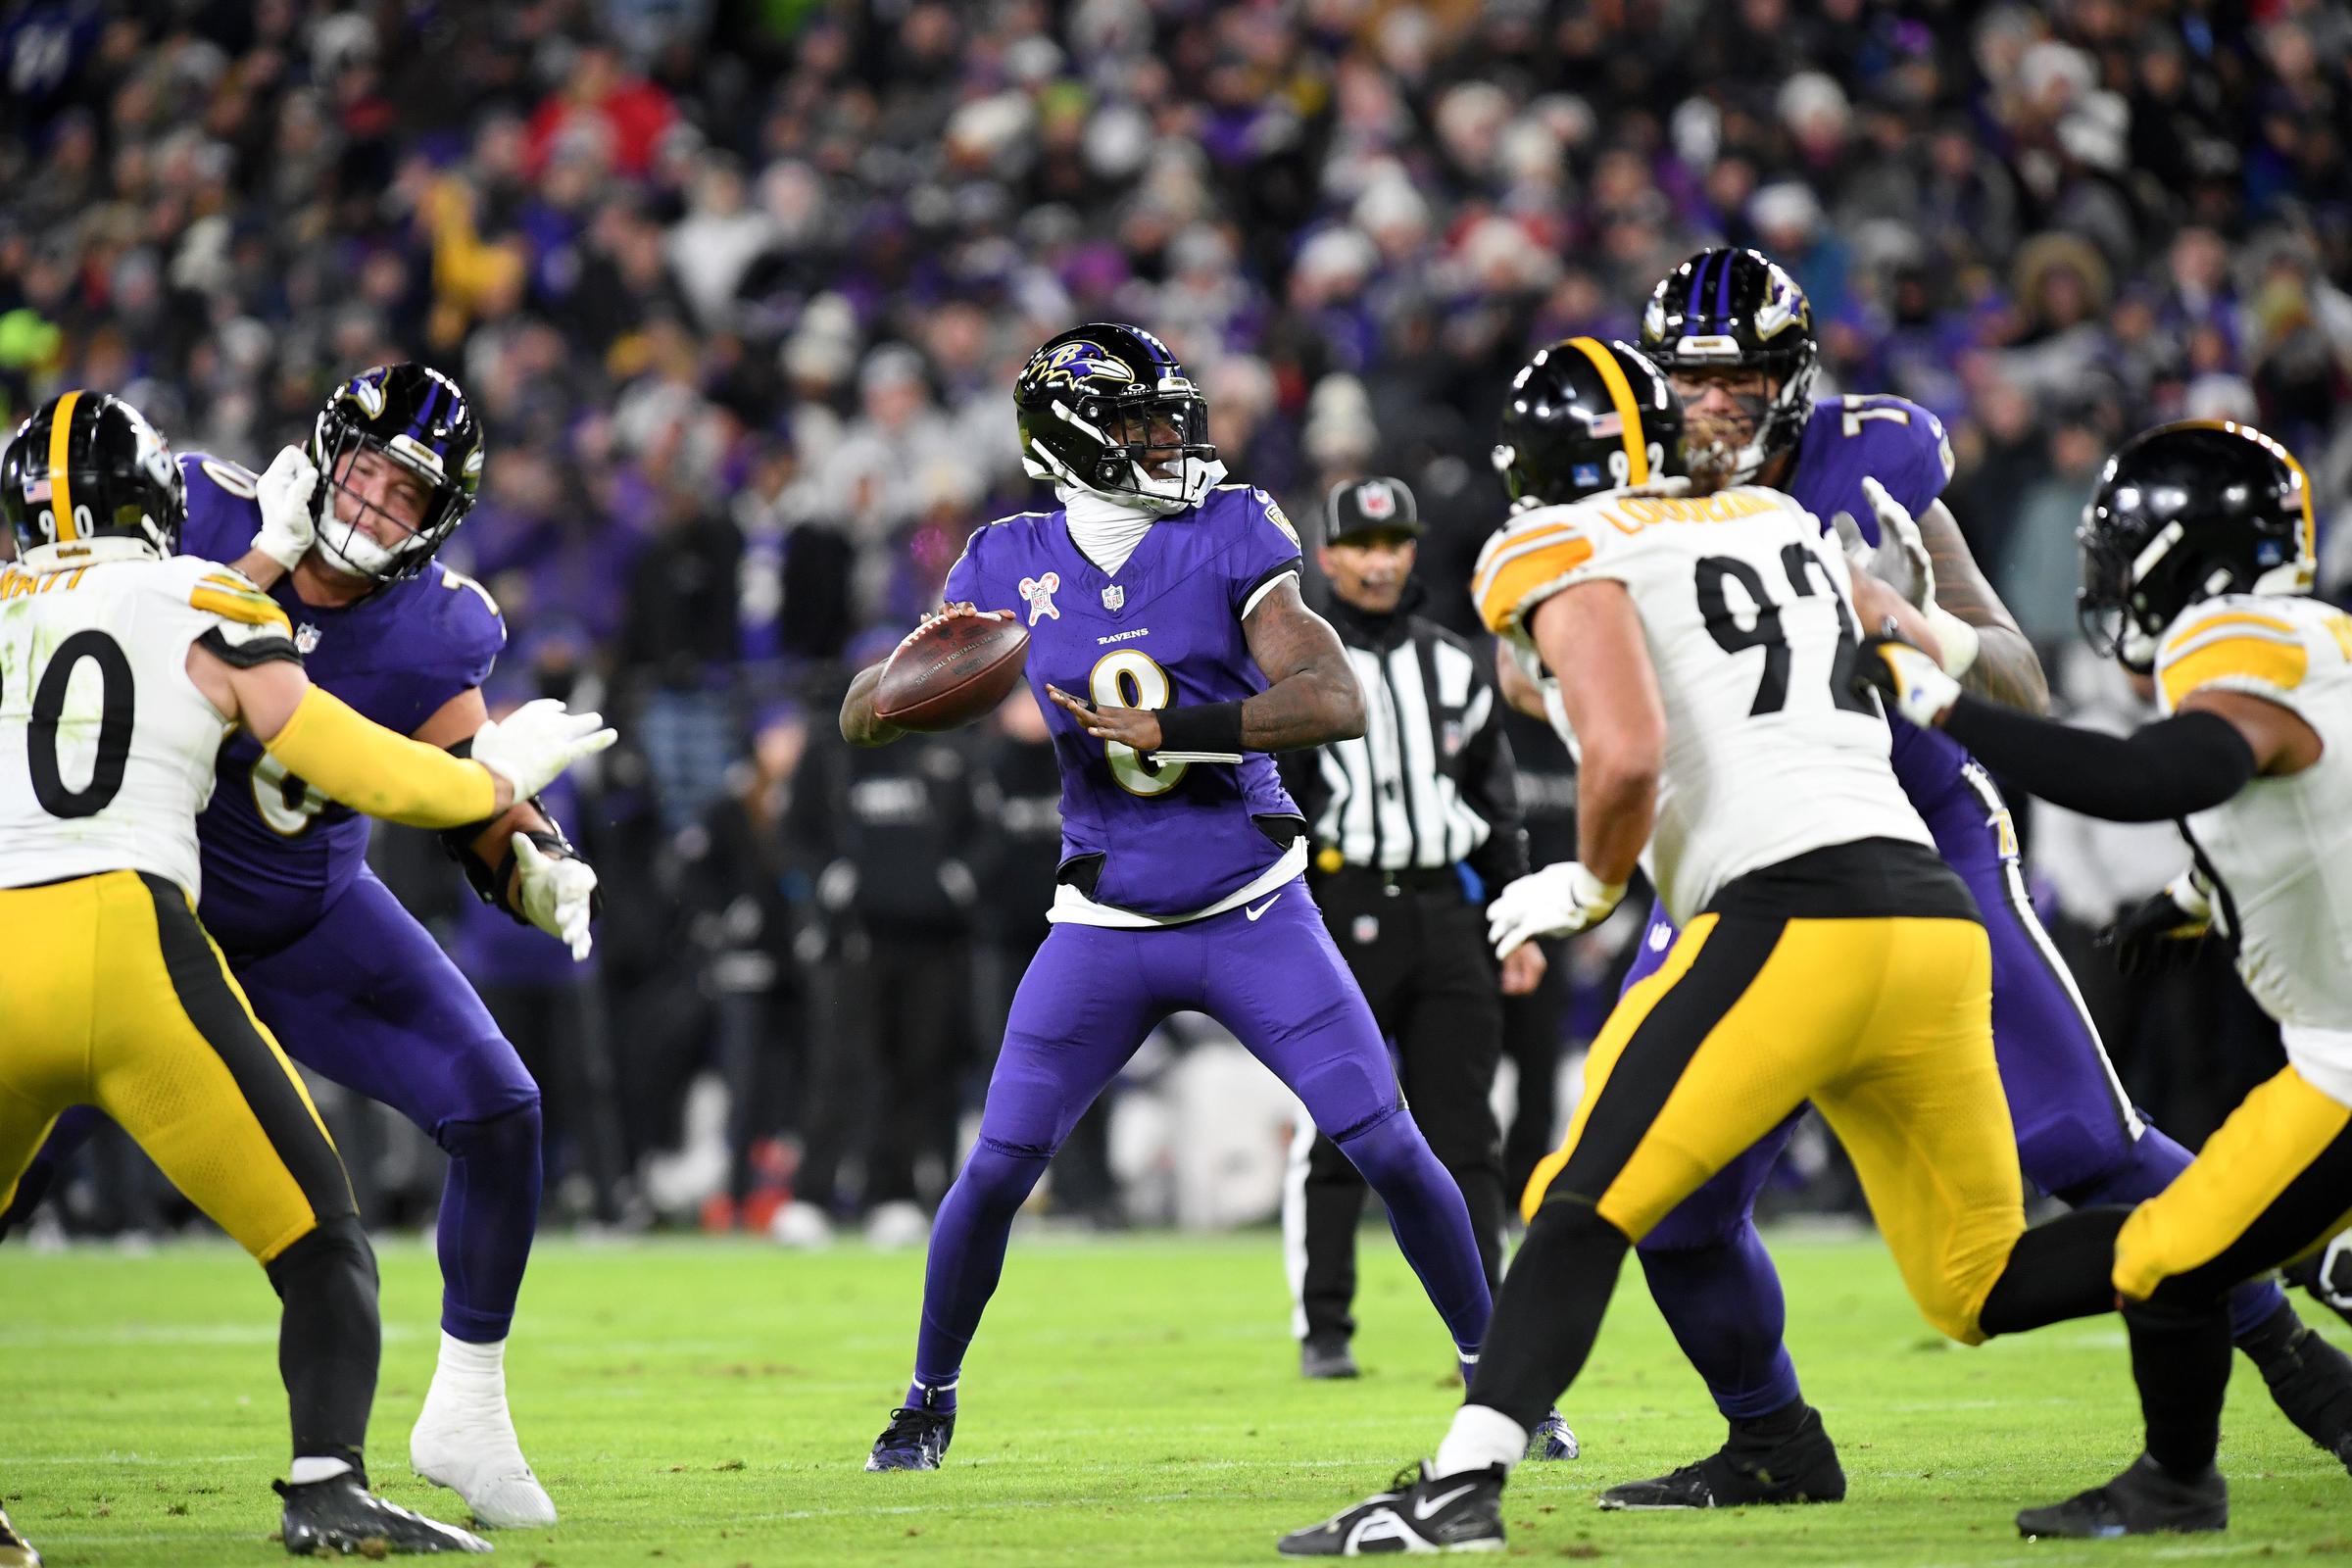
(106, 746)
(1746, 610)
(277, 852)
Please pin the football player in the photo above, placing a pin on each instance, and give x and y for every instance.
(1734, 334)
(2198, 563)
(341, 535)
(1702, 649)
(121, 665)
(1171, 652)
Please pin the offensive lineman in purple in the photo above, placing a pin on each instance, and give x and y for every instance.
(1163, 617)
(342, 536)
(2079, 1138)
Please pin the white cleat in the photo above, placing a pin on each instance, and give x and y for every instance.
(802, 1225)
(895, 1227)
(465, 1439)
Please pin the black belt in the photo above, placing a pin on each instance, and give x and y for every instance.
(1407, 879)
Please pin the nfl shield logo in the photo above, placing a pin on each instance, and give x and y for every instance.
(1367, 930)
(1115, 597)
(306, 639)
(1376, 500)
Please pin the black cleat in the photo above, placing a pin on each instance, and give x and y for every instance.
(2311, 1382)
(14, 1550)
(1322, 1356)
(2141, 1501)
(1419, 1513)
(916, 1439)
(341, 1515)
(1801, 1467)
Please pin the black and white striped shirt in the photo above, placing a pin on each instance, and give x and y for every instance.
(1431, 780)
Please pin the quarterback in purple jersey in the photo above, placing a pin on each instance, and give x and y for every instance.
(1170, 651)
(342, 536)
(1734, 334)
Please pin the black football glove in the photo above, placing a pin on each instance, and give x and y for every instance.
(2162, 931)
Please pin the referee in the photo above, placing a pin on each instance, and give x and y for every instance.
(1416, 825)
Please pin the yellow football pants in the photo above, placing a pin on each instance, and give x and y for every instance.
(2273, 1182)
(113, 996)
(1885, 1024)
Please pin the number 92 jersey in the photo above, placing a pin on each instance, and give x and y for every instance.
(106, 746)
(277, 853)
(1747, 611)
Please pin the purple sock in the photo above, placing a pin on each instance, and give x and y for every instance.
(1723, 1301)
(489, 1212)
(966, 1259)
(1431, 1221)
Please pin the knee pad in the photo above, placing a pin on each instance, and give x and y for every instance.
(513, 1134)
(1564, 1215)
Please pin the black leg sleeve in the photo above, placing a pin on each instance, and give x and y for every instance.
(329, 1339)
(2180, 1360)
(1549, 1313)
(2063, 1268)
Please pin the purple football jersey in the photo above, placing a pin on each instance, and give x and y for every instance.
(1164, 630)
(277, 853)
(1903, 447)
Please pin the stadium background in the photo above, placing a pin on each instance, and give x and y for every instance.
(740, 286)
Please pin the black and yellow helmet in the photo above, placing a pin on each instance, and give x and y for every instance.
(2186, 511)
(1585, 416)
(88, 465)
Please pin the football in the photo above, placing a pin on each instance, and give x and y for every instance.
(951, 670)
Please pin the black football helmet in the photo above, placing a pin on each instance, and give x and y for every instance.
(2188, 511)
(1584, 416)
(86, 467)
(1726, 308)
(1096, 400)
(414, 417)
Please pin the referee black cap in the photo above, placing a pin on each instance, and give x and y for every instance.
(1373, 505)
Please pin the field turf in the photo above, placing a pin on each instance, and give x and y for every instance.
(1131, 1402)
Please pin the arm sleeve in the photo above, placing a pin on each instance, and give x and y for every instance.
(371, 769)
(2188, 763)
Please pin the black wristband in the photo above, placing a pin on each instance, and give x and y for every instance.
(1201, 728)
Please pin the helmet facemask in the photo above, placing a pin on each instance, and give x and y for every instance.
(1154, 454)
(340, 446)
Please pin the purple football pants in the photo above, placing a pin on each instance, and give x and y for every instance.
(1271, 975)
(367, 998)
(2078, 1137)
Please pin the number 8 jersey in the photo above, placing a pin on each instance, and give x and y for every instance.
(106, 745)
(1746, 610)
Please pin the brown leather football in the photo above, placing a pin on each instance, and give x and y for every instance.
(951, 671)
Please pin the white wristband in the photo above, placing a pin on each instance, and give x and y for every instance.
(1956, 637)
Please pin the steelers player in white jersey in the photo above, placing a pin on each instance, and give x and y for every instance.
(123, 667)
(2199, 557)
(1702, 647)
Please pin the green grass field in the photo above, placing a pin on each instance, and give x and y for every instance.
(1129, 1402)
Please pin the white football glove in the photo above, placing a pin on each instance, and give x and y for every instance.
(533, 745)
(1560, 898)
(288, 494)
(1910, 681)
(1900, 559)
(557, 894)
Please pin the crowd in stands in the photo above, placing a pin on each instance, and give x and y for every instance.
(740, 287)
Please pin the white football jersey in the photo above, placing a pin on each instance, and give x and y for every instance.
(2280, 850)
(1747, 613)
(106, 745)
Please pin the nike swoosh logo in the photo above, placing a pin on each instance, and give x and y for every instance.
(1423, 1507)
(1262, 909)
